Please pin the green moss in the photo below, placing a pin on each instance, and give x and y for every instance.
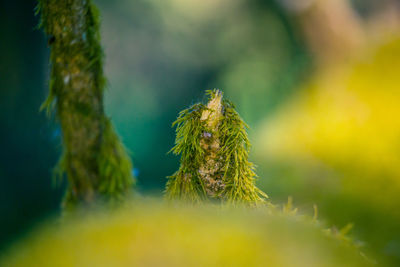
(94, 159)
(214, 148)
(204, 235)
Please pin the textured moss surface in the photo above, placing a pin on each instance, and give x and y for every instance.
(214, 147)
(94, 159)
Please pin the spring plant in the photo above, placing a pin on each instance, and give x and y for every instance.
(94, 159)
(214, 149)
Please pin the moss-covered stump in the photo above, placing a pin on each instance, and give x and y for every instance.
(94, 159)
(214, 148)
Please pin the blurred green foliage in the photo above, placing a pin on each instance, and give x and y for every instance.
(337, 144)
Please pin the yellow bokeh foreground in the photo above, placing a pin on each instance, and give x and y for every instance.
(153, 234)
(347, 118)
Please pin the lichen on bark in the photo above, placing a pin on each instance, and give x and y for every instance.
(214, 147)
(94, 160)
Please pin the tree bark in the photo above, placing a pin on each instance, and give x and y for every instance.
(94, 160)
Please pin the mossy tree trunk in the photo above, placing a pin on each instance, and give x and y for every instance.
(94, 160)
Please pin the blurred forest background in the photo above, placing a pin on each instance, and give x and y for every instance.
(316, 80)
